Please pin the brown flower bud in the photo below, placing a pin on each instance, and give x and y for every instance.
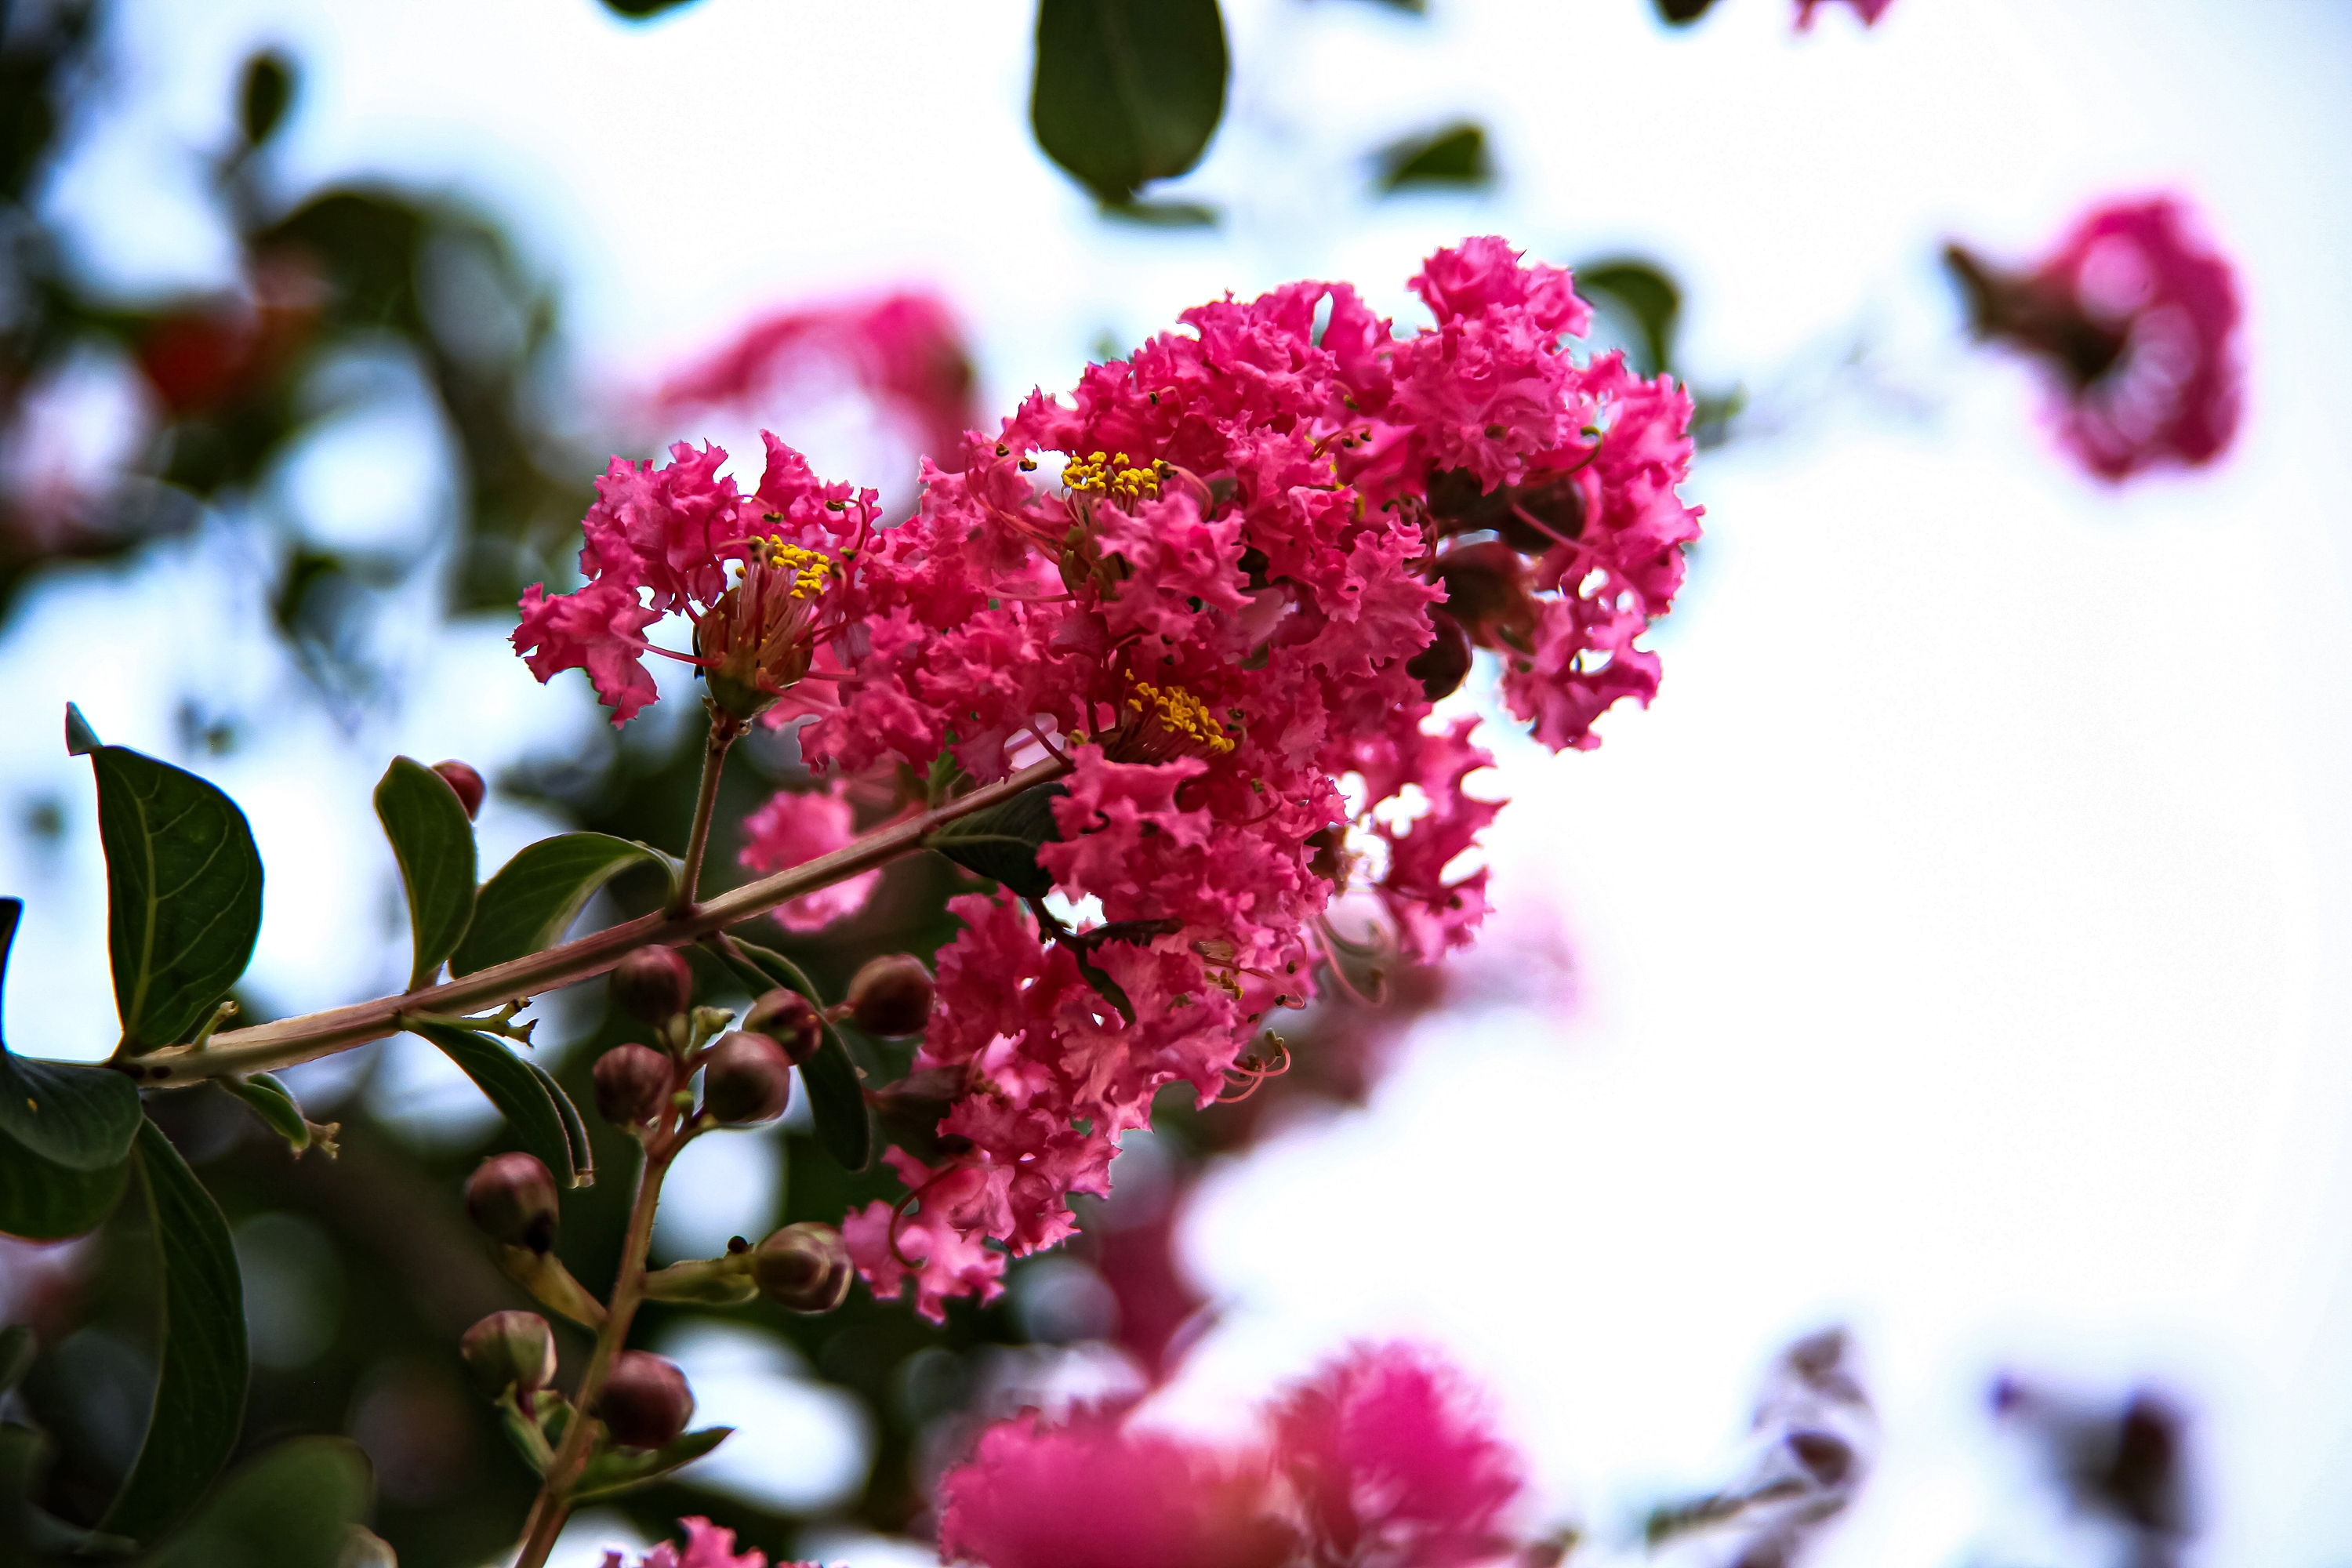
(1484, 591)
(512, 1197)
(469, 784)
(1444, 664)
(787, 1017)
(654, 984)
(632, 1085)
(891, 995)
(646, 1401)
(803, 1267)
(746, 1079)
(513, 1349)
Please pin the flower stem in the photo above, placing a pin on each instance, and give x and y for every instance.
(554, 1505)
(724, 728)
(265, 1047)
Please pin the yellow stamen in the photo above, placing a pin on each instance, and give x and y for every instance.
(1112, 475)
(1179, 710)
(809, 568)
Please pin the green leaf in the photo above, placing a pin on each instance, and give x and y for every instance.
(201, 1351)
(17, 1348)
(182, 894)
(640, 10)
(294, 1507)
(43, 1201)
(1644, 295)
(79, 1117)
(621, 1469)
(1000, 843)
(1453, 156)
(536, 896)
(837, 1095)
(575, 1131)
(81, 739)
(275, 1104)
(433, 839)
(1682, 13)
(269, 91)
(516, 1087)
(1126, 91)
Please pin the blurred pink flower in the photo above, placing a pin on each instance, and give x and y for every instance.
(707, 1546)
(905, 350)
(1868, 10)
(2137, 318)
(796, 827)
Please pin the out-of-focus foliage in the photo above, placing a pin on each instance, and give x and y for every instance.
(1451, 157)
(1127, 91)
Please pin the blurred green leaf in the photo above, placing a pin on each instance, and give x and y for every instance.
(1162, 214)
(182, 894)
(619, 1470)
(201, 1351)
(433, 839)
(81, 1118)
(639, 10)
(29, 1534)
(536, 896)
(268, 89)
(1126, 91)
(517, 1088)
(1451, 157)
(81, 739)
(1683, 13)
(575, 1131)
(275, 1104)
(295, 1506)
(837, 1095)
(1000, 843)
(41, 1201)
(1644, 292)
(17, 1348)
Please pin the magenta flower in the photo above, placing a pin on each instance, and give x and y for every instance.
(796, 827)
(2138, 320)
(1868, 10)
(707, 1546)
(1383, 1456)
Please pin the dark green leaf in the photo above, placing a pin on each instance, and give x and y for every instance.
(294, 1507)
(1683, 13)
(536, 896)
(79, 1117)
(575, 1131)
(433, 839)
(268, 89)
(515, 1087)
(1000, 843)
(835, 1093)
(275, 1104)
(201, 1351)
(1162, 214)
(182, 894)
(42, 1201)
(81, 739)
(1453, 156)
(1126, 91)
(639, 10)
(1646, 296)
(28, 1533)
(621, 1469)
(1109, 990)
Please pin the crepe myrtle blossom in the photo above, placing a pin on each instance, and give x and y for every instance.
(1383, 1456)
(796, 827)
(707, 1546)
(1224, 580)
(2136, 318)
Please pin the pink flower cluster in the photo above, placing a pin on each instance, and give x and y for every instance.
(1383, 1458)
(1224, 581)
(707, 1546)
(1868, 10)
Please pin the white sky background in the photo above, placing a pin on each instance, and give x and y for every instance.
(1959, 937)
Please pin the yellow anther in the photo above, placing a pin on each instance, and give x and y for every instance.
(1112, 474)
(809, 568)
(1179, 710)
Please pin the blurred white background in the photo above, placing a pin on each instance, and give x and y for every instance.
(1957, 939)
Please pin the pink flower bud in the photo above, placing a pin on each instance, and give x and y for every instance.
(632, 1085)
(1442, 666)
(803, 1267)
(646, 1401)
(746, 1079)
(513, 1349)
(469, 784)
(787, 1017)
(654, 984)
(513, 1198)
(891, 995)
